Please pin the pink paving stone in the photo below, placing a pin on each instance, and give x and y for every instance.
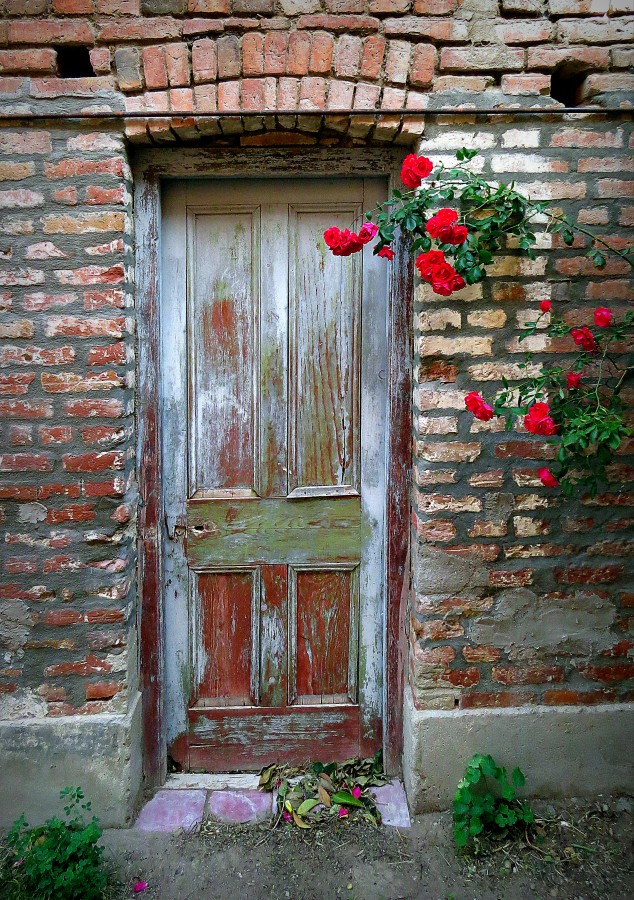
(392, 803)
(171, 810)
(240, 806)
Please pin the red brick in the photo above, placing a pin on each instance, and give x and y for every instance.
(50, 32)
(462, 677)
(524, 450)
(338, 24)
(71, 382)
(50, 692)
(590, 574)
(204, 63)
(75, 326)
(437, 630)
(113, 488)
(67, 196)
(481, 654)
(25, 409)
(62, 564)
(154, 29)
(57, 434)
(312, 93)
(44, 60)
(15, 384)
(437, 531)
(62, 617)
(17, 492)
(221, 7)
(97, 299)
(566, 697)
(20, 436)
(482, 59)
(536, 674)
(275, 46)
(79, 512)
(321, 53)
(423, 65)
(100, 59)
(36, 356)
(348, 56)
(299, 45)
(104, 616)
(102, 690)
(73, 7)
(526, 85)
(46, 491)
(105, 409)
(500, 700)
(97, 196)
(102, 434)
(93, 462)
(517, 578)
(25, 462)
(177, 62)
(115, 354)
(608, 674)
(229, 57)
(372, 56)
(91, 665)
(16, 565)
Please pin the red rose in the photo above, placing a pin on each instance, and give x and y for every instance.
(443, 219)
(426, 261)
(332, 237)
(367, 231)
(414, 169)
(458, 234)
(539, 420)
(602, 317)
(545, 306)
(584, 338)
(386, 253)
(547, 478)
(476, 404)
(343, 243)
(573, 380)
(445, 280)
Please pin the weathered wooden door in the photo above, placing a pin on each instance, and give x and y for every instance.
(274, 418)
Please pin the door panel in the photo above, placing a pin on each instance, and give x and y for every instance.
(222, 325)
(274, 417)
(324, 355)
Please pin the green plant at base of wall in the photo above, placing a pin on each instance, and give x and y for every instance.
(61, 859)
(485, 803)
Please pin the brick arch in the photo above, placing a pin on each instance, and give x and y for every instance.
(311, 70)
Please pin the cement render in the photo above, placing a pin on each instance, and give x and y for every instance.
(565, 751)
(100, 753)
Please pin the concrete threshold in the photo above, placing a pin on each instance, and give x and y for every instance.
(185, 800)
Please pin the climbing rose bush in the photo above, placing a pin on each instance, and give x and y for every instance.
(578, 406)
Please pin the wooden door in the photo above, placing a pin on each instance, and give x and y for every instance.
(273, 418)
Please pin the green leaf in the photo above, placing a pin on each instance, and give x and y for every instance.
(345, 798)
(306, 806)
(517, 777)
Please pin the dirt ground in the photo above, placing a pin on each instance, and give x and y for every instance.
(581, 851)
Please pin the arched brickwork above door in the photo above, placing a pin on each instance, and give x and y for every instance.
(203, 56)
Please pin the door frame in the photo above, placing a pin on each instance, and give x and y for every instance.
(149, 167)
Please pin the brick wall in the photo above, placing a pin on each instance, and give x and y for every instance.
(520, 595)
(188, 56)
(507, 559)
(67, 441)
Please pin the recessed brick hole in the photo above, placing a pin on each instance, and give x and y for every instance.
(566, 84)
(74, 62)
